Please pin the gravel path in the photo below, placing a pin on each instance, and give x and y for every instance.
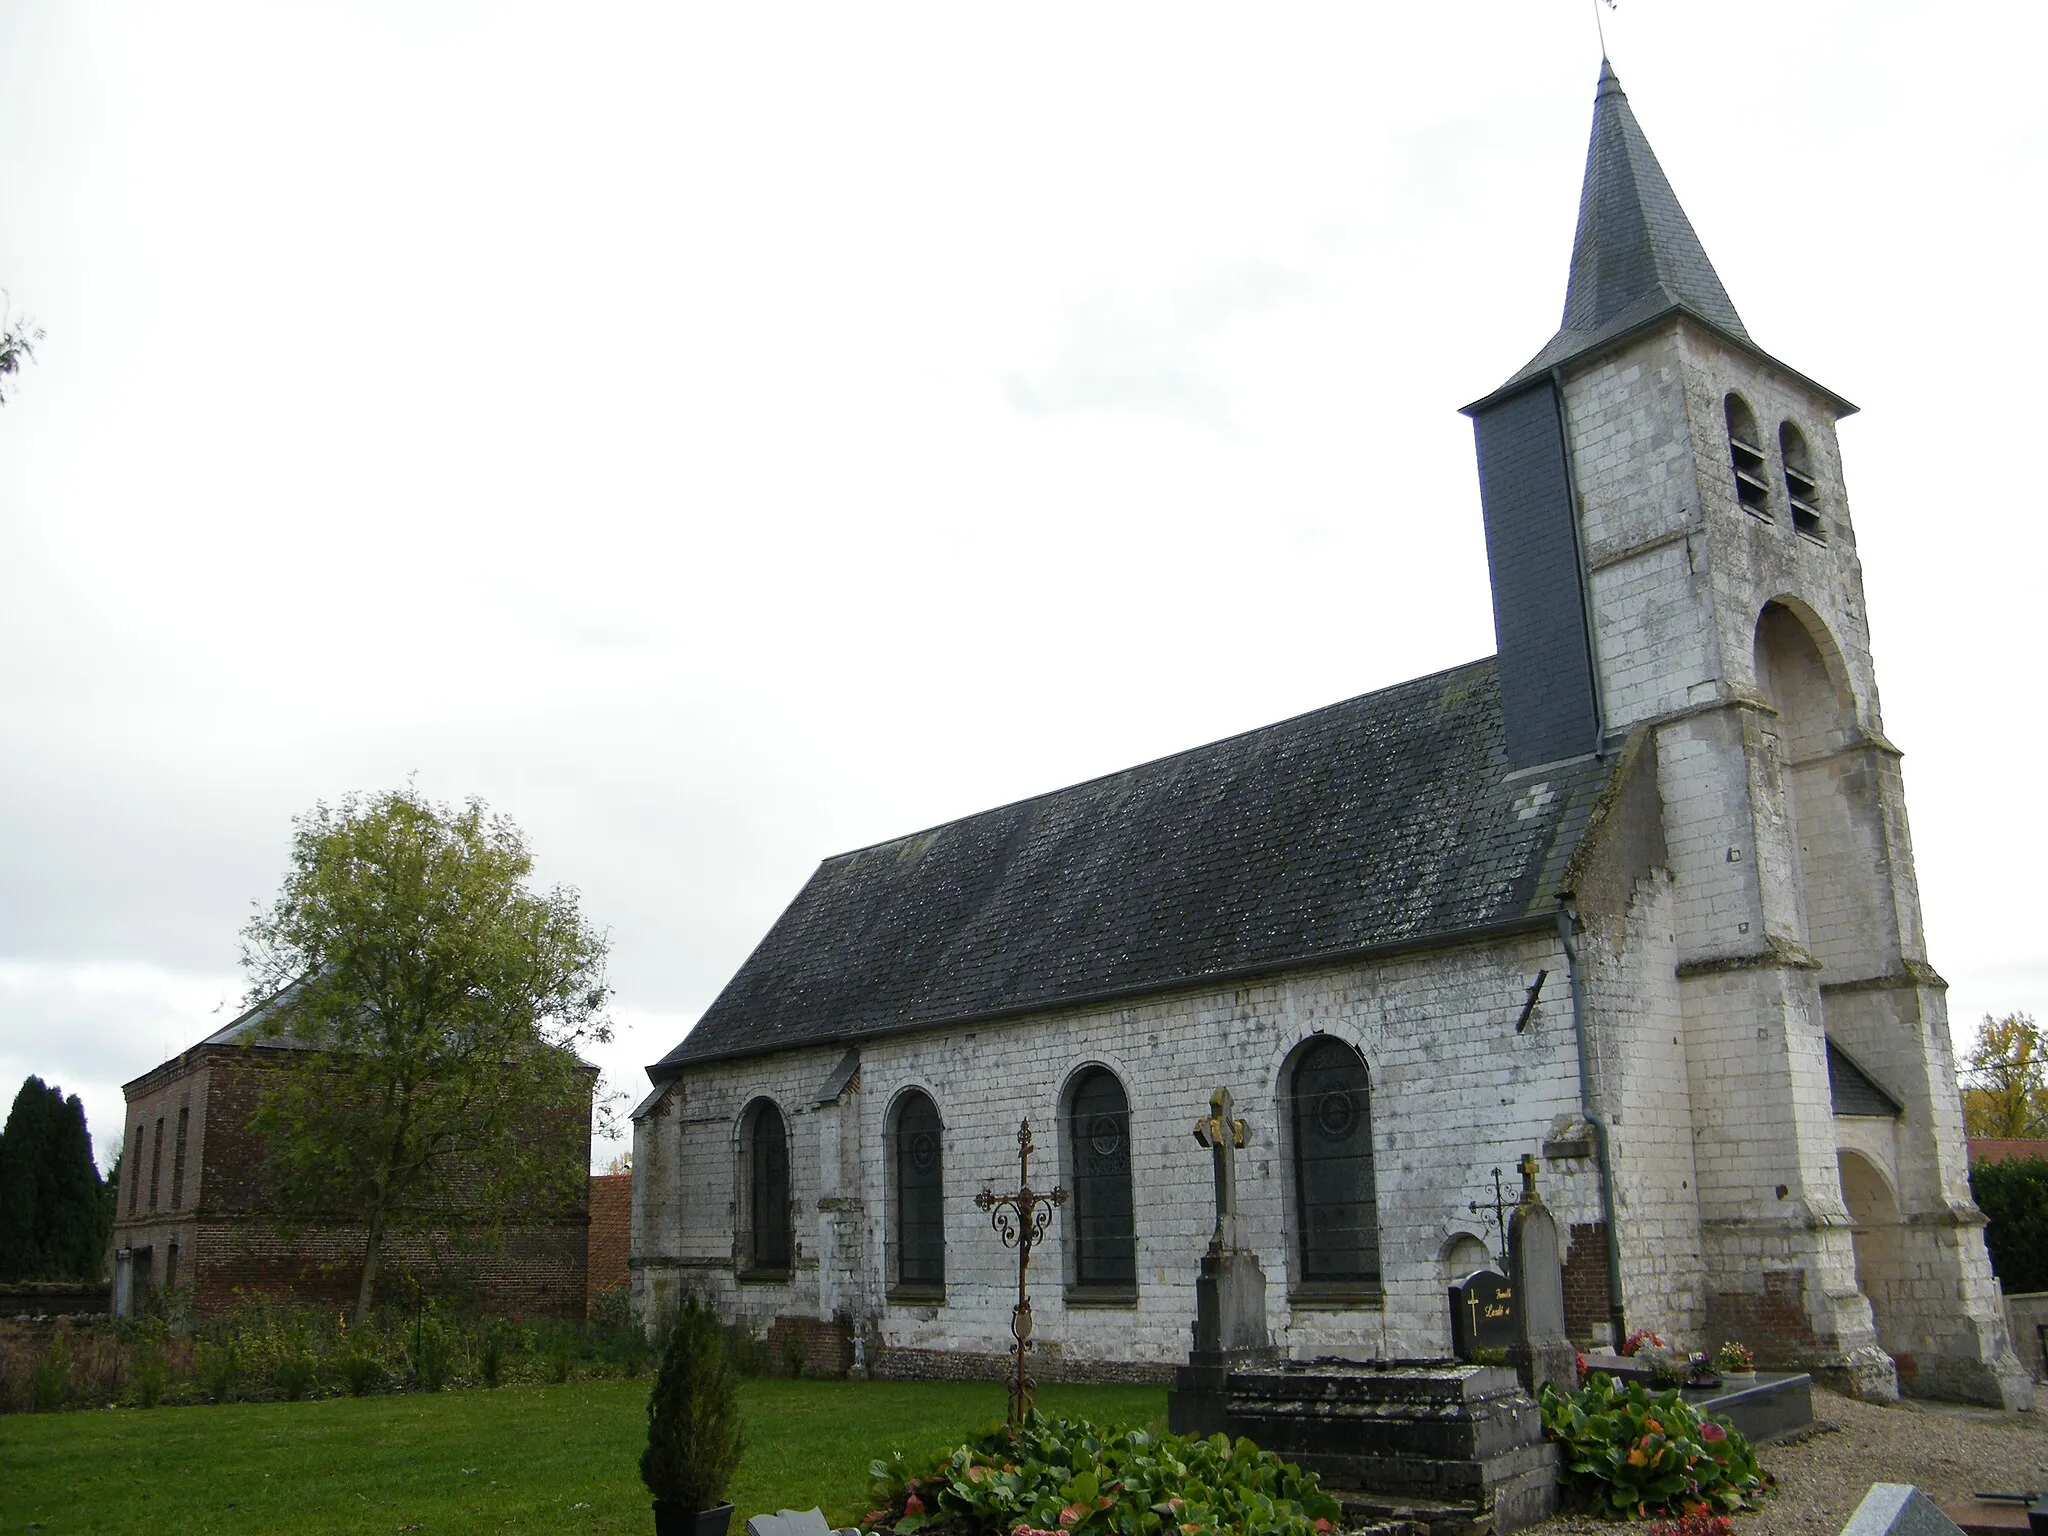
(1949, 1453)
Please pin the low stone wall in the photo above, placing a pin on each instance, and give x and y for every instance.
(46, 1298)
(888, 1364)
(2026, 1320)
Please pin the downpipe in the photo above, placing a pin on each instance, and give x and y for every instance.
(1567, 930)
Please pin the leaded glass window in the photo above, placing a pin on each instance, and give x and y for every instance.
(1105, 1231)
(920, 1194)
(768, 1191)
(1334, 1201)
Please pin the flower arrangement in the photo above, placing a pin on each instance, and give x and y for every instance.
(1635, 1341)
(1734, 1359)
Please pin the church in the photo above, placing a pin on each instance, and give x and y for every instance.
(1633, 898)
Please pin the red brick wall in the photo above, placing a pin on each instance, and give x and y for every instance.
(235, 1243)
(1996, 1149)
(827, 1348)
(611, 1231)
(1771, 1320)
(1588, 1303)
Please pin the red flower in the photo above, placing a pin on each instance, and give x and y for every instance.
(913, 1505)
(1711, 1431)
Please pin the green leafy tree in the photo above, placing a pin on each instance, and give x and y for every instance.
(2013, 1195)
(438, 1000)
(54, 1218)
(2007, 1089)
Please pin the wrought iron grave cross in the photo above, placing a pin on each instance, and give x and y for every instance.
(1021, 1217)
(1223, 1136)
(1500, 1215)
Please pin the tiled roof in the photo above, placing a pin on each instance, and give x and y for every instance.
(1381, 820)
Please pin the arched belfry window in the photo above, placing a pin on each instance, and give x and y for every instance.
(766, 1145)
(1336, 1210)
(1105, 1235)
(1746, 454)
(1802, 488)
(918, 1150)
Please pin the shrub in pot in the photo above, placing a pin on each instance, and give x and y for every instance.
(693, 1428)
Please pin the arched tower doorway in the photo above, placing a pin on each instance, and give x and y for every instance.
(1879, 1238)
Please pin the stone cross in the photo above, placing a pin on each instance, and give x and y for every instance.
(1223, 1136)
(1527, 1167)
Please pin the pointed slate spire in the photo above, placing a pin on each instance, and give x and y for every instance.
(1635, 256)
(1634, 241)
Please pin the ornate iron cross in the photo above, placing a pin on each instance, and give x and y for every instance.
(1021, 1217)
(1223, 1136)
(1500, 1216)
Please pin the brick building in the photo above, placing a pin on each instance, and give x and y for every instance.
(1635, 895)
(194, 1208)
(610, 1244)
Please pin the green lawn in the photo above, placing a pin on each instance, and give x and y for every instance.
(531, 1458)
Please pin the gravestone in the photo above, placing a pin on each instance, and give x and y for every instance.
(793, 1522)
(1541, 1352)
(1898, 1509)
(1483, 1314)
(1230, 1291)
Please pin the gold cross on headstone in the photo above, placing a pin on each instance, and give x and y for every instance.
(1528, 1166)
(1223, 1135)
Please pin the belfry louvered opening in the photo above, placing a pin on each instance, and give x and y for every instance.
(1802, 487)
(1746, 456)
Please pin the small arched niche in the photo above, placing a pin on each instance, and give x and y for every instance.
(1802, 484)
(1746, 458)
(1465, 1254)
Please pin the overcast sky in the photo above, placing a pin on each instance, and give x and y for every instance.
(723, 435)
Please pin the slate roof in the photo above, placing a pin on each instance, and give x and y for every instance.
(1374, 822)
(247, 1028)
(1635, 256)
(1853, 1091)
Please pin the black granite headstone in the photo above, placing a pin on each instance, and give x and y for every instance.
(1483, 1314)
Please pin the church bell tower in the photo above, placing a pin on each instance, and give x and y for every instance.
(1673, 560)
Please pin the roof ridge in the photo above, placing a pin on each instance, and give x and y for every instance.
(1153, 762)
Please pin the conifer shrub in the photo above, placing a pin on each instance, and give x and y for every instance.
(693, 1415)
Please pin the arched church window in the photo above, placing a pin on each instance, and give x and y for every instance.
(768, 1210)
(1802, 489)
(920, 1194)
(1099, 1154)
(1745, 452)
(1336, 1209)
